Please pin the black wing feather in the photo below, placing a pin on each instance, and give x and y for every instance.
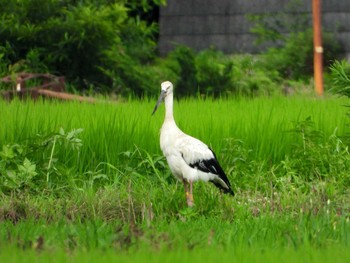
(212, 166)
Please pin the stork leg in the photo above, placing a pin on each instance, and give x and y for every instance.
(189, 195)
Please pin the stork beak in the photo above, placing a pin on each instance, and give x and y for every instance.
(160, 99)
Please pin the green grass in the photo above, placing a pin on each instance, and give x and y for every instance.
(263, 124)
(267, 238)
(111, 196)
(331, 254)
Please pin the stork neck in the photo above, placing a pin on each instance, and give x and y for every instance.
(169, 101)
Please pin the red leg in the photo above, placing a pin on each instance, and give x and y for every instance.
(185, 186)
(189, 196)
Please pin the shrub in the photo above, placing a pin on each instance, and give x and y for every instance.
(80, 40)
(185, 68)
(214, 72)
(210, 72)
(250, 77)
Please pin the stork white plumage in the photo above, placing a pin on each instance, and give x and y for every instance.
(189, 159)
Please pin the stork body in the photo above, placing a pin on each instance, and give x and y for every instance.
(189, 159)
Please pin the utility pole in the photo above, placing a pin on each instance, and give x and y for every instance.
(318, 49)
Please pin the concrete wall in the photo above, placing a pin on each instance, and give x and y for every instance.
(223, 23)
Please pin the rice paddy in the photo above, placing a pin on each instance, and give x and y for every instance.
(87, 182)
(263, 124)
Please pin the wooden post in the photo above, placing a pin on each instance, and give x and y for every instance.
(318, 49)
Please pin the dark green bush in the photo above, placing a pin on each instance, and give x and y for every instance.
(81, 40)
(214, 72)
(185, 68)
(251, 77)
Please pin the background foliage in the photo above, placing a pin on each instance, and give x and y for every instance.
(82, 40)
(111, 46)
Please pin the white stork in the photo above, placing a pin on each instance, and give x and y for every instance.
(189, 159)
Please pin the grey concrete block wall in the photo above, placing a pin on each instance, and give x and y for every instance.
(223, 23)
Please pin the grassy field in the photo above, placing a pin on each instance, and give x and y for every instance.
(262, 124)
(88, 182)
(210, 255)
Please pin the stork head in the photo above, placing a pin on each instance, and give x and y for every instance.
(166, 89)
